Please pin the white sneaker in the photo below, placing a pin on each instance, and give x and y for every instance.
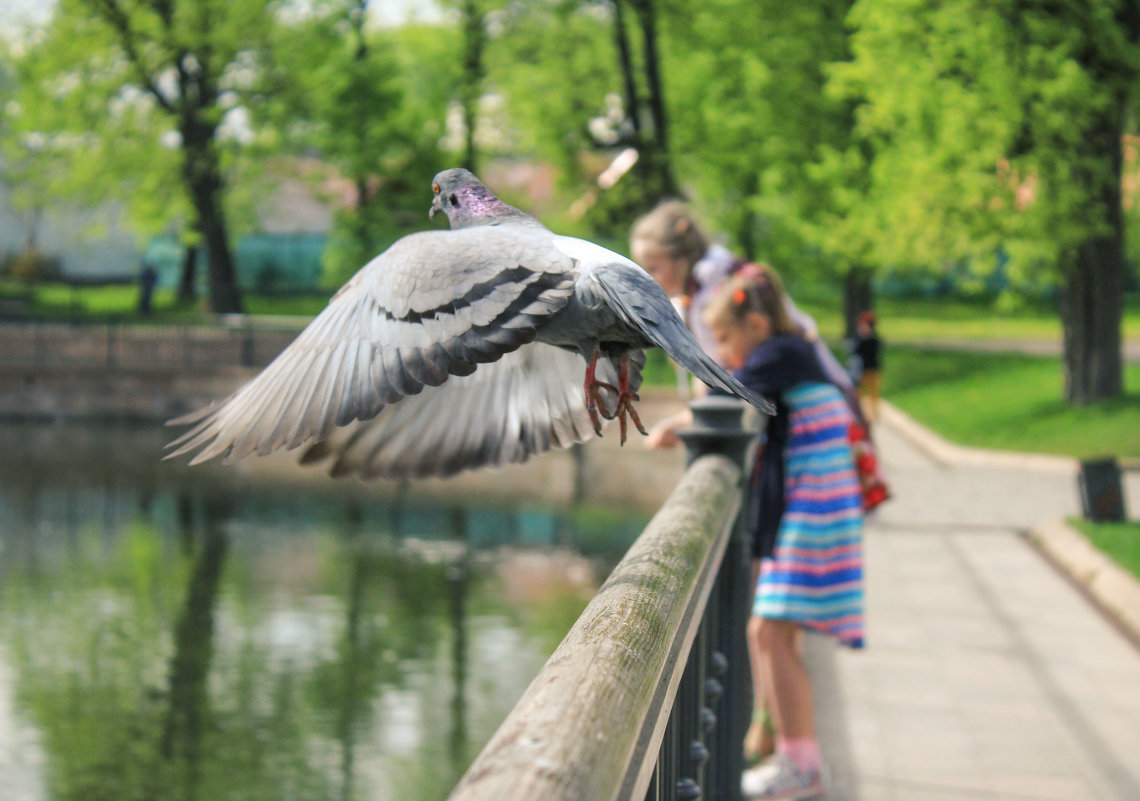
(779, 779)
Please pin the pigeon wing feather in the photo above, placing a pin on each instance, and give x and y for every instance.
(526, 403)
(432, 306)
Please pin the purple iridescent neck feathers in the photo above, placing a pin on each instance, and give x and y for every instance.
(466, 201)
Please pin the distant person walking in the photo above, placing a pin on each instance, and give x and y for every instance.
(867, 364)
(148, 278)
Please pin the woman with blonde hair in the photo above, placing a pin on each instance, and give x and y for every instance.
(671, 245)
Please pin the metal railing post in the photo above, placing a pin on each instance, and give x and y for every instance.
(724, 701)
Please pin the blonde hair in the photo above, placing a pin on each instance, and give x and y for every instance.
(672, 228)
(756, 289)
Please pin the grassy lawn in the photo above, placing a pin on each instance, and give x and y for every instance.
(1121, 541)
(1009, 403)
(62, 301)
(901, 320)
(918, 319)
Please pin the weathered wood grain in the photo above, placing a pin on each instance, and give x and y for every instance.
(589, 726)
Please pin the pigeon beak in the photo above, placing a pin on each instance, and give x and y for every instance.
(436, 207)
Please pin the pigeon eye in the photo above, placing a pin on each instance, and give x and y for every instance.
(435, 188)
(454, 200)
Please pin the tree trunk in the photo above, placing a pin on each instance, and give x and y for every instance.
(186, 721)
(459, 590)
(1091, 309)
(187, 284)
(628, 78)
(473, 39)
(32, 231)
(646, 16)
(204, 180)
(1092, 297)
(858, 297)
(354, 655)
(655, 150)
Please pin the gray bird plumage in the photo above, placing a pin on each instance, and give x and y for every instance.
(457, 349)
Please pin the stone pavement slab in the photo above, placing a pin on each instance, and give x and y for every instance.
(987, 675)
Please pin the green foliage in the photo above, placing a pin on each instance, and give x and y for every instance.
(29, 267)
(361, 100)
(818, 135)
(977, 114)
(87, 122)
(752, 122)
(555, 63)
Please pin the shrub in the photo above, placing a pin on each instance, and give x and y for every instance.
(30, 266)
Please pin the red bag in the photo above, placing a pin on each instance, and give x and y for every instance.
(871, 480)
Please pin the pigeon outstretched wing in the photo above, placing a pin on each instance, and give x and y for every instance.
(524, 404)
(432, 306)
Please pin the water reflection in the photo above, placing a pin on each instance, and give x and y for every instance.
(172, 634)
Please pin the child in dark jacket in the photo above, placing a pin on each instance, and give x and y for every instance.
(806, 520)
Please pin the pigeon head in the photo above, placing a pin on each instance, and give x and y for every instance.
(466, 201)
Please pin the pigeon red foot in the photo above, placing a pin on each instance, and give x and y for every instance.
(596, 405)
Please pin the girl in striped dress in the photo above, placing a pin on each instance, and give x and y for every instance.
(806, 520)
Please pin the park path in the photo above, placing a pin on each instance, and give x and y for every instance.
(988, 674)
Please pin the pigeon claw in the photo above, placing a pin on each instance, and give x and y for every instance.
(625, 400)
(623, 407)
(601, 402)
(593, 394)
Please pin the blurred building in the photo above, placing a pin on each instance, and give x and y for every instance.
(83, 245)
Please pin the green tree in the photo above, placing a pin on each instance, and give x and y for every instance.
(68, 136)
(110, 76)
(554, 64)
(360, 100)
(1000, 125)
(771, 154)
(584, 82)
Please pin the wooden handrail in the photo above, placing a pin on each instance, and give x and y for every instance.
(590, 724)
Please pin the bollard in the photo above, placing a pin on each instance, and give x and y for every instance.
(1102, 494)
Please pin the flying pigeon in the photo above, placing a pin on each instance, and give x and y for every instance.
(454, 349)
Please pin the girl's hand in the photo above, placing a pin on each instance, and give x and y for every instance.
(664, 434)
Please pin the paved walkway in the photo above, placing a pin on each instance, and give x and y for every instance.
(988, 675)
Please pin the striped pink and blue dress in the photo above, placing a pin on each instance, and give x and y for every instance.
(815, 575)
(807, 509)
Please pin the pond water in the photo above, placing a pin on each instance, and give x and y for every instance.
(176, 633)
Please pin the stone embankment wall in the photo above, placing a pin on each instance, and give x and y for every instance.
(60, 371)
(150, 374)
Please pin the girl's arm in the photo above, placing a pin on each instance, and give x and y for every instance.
(664, 434)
